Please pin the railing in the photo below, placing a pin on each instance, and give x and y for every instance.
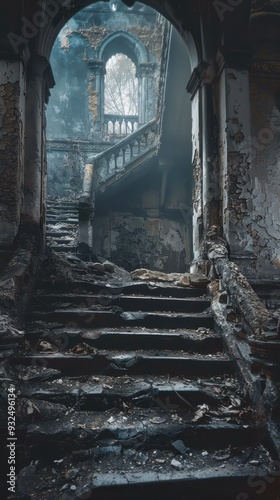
(119, 126)
(253, 313)
(114, 160)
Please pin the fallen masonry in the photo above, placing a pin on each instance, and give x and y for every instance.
(128, 387)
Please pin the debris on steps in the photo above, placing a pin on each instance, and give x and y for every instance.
(124, 388)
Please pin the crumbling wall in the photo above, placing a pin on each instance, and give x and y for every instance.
(264, 225)
(65, 172)
(133, 242)
(12, 104)
(139, 227)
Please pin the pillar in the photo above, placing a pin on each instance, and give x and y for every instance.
(39, 79)
(96, 98)
(12, 127)
(206, 186)
(146, 104)
(235, 158)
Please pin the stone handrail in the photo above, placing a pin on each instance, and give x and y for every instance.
(119, 126)
(115, 159)
(253, 312)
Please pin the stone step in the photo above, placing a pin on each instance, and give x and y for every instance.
(62, 218)
(145, 428)
(85, 317)
(137, 288)
(63, 248)
(220, 484)
(60, 239)
(104, 393)
(150, 474)
(59, 233)
(136, 362)
(126, 302)
(200, 341)
(58, 204)
(61, 209)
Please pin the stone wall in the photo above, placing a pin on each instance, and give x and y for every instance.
(264, 225)
(151, 242)
(12, 110)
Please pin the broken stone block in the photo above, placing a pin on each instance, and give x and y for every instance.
(179, 446)
(84, 492)
(176, 464)
(108, 266)
(198, 280)
(72, 474)
(26, 477)
(97, 266)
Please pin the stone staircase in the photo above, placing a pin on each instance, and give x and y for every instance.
(128, 392)
(62, 225)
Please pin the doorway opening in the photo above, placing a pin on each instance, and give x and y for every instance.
(120, 104)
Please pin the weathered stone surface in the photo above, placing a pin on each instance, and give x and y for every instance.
(176, 279)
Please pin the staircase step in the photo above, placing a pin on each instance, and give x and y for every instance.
(103, 393)
(126, 302)
(62, 286)
(64, 248)
(84, 430)
(61, 210)
(60, 239)
(58, 234)
(142, 475)
(62, 204)
(220, 484)
(200, 341)
(61, 219)
(85, 317)
(135, 362)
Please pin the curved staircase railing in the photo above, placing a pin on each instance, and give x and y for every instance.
(115, 160)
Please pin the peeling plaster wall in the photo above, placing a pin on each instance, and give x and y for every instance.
(72, 100)
(197, 178)
(236, 167)
(65, 172)
(12, 108)
(264, 226)
(133, 242)
(138, 228)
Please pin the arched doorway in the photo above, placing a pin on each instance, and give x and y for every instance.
(151, 214)
(146, 220)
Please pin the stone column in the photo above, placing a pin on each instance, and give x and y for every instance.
(96, 98)
(205, 166)
(235, 156)
(146, 104)
(39, 79)
(12, 127)
(86, 212)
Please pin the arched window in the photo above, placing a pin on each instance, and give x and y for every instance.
(120, 95)
(121, 86)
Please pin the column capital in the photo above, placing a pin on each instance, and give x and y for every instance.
(39, 66)
(203, 74)
(232, 58)
(97, 66)
(145, 69)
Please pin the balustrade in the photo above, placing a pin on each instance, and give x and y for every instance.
(119, 126)
(115, 159)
